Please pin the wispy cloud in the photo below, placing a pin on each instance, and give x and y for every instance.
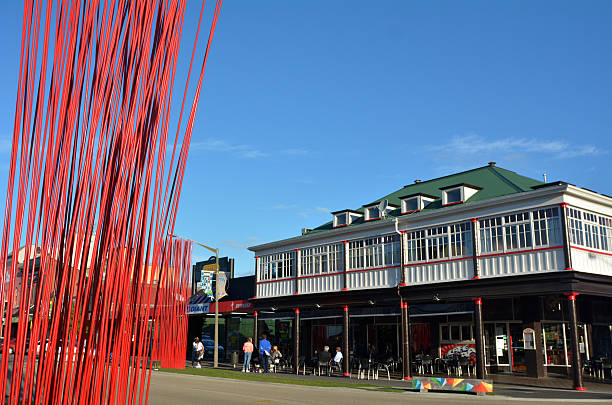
(296, 152)
(245, 150)
(473, 144)
(323, 209)
(248, 241)
(217, 145)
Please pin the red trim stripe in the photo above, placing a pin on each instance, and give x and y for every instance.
(521, 251)
(321, 275)
(375, 268)
(274, 281)
(438, 261)
(591, 251)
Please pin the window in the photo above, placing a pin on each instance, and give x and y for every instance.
(575, 226)
(322, 259)
(382, 251)
(491, 239)
(415, 202)
(437, 243)
(517, 230)
(340, 219)
(372, 213)
(458, 193)
(605, 230)
(591, 231)
(547, 227)
(411, 204)
(461, 239)
(277, 266)
(415, 245)
(455, 332)
(453, 196)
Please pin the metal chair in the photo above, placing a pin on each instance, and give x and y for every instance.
(301, 364)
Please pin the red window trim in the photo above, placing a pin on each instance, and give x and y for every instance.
(340, 226)
(372, 219)
(590, 251)
(275, 281)
(410, 212)
(321, 275)
(514, 252)
(453, 203)
(438, 261)
(373, 269)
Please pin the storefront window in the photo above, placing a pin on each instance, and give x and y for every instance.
(555, 344)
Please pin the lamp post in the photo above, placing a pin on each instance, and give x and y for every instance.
(216, 251)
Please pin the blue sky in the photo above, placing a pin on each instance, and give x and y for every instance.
(323, 105)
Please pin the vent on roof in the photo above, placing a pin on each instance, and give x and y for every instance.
(417, 181)
(305, 230)
(491, 163)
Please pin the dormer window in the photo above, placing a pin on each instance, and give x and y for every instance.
(345, 217)
(372, 213)
(458, 193)
(415, 202)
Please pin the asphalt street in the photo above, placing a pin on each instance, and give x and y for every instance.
(167, 388)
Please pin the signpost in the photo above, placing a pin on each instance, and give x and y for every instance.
(216, 251)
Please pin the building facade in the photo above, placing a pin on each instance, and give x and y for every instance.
(515, 272)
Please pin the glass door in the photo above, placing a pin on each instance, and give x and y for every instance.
(517, 355)
(496, 344)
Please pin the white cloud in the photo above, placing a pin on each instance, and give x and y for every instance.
(217, 145)
(248, 241)
(323, 209)
(244, 150)
(296, 152)
(473, 144)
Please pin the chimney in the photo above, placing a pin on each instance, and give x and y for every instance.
(491, 163)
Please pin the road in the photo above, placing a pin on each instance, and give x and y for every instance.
(167, 388)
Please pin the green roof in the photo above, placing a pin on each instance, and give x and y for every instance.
(493, 181)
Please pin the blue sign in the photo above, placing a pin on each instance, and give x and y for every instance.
(198, 309)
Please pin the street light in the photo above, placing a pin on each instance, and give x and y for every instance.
(216, 251)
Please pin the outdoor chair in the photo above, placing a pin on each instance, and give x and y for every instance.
(364, 365)
(301, 365)
(382, 366)
(335, 366)
(323, 365)
(461, 363)
(426, 365)
(606, 364)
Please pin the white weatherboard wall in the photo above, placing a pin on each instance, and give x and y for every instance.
(591, 262)
(276, 288)
(521, 263)
(455, 270)
(323, 283)
(379, 278)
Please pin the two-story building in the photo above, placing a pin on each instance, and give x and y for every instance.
(515, 272)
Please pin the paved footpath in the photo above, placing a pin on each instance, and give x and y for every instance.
(168, 388)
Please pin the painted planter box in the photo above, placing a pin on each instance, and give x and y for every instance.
(451, 384)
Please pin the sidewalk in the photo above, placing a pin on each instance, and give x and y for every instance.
(511, 386)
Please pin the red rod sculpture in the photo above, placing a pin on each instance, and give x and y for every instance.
(93, 287)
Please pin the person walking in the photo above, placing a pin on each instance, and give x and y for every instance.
(264, 353)
(193, 352)
(247, 348)
(199, 349)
